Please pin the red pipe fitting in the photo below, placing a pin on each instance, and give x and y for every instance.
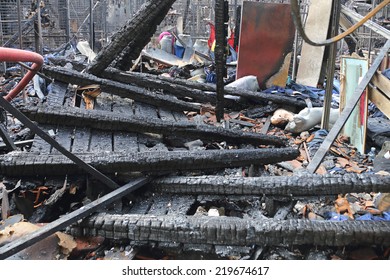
(16, 55)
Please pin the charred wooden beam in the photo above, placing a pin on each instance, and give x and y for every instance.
(128, 42)
(30, 164)
(234, 231)
(72, 116)
(177, 85)
(220, 55)
(136, 93)
(151, 81)
(305, 185)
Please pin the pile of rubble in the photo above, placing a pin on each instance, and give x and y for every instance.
(172, 181)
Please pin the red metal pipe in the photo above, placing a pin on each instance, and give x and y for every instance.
(16, 55)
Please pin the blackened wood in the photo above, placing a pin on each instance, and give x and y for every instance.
(71, 157)
(220, 56)
(127, 44)
(182, 87)
(68, 219)
(110, 163)
(347, 111)
(305, 185)
(153, 82)
(114, 122)
(119, 89)
(240, 232)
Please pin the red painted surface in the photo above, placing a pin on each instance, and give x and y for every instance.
(16, 55)
(266, 37)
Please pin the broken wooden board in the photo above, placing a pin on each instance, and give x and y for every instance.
(379, 93)
(351, 72)
(316, 28)
(266, 38)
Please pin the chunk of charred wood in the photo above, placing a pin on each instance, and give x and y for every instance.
(304, 185)
(155, 161)
(153, 82)
(119, 89)
(220, 56)
(236, 231)
(120, 122)
(176, 85)
(127, 44)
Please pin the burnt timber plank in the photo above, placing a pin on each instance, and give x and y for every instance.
(350, 106)
(81, 138)
(305, 185)
(181, 204)
(123, 140)
(242, 232)
(120, 89)
(68, 219)
(153, 82)
(113, 121)
(128, 42)
(57, 94)
(176, 85)
(39, 145)
(30, 164)
(101, 141)
(63, 137)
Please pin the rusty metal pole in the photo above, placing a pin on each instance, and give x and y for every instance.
(220, 56)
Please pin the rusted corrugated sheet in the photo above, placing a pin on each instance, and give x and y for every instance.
(266, 37)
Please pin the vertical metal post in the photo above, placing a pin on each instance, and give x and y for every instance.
(331, 65)
(2, 39)
(67, 24)
(38, 31)
(91, 29)
(20, 25)
(295, 57)
(370, 39)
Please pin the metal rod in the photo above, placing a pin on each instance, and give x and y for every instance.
(331, 65)
(91, 29)
(370, 40)
(38, 31)
(20, 25)
(67, 20)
